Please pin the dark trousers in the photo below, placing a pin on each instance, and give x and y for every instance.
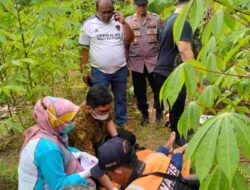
(178, 107)
(140, 90)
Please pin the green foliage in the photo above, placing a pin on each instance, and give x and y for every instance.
(209, 95)
(10, 125)
(158, 6)
(8, 176)
(216, 144)
(173, 86)
(180, 21)
(196, 13)
(189, 119)
(174, 83)
(222, 68)
(39, 48)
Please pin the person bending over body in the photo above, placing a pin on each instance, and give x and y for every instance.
(94, 122)
(118, 159)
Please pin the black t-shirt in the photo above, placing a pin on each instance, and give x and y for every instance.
(168, 48)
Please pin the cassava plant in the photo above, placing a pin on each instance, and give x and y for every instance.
(222, 68)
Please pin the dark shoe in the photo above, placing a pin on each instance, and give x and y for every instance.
(145, 120)
(158, 116)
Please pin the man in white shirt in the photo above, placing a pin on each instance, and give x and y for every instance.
(104, 36)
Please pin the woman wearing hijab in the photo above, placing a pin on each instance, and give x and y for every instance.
(46, 162)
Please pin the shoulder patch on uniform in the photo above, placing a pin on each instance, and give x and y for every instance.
(129, 17)
(154, 14)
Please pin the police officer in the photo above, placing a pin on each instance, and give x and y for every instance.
(142, 57)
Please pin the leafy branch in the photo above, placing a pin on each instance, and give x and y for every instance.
(237, 9)
(23, 42)
(221, 73)
(232, 63)
(243, 23)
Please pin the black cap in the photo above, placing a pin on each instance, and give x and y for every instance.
(112, 154)
(141, 2)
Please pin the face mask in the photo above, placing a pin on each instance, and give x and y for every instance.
(68, 129)
(99, 117)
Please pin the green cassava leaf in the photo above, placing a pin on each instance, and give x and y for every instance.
(42, 31)
(179, 22)
(218, 139)
(217, 22)
(196, 13)
(211, 64)
(28, 60)
(245, 170)
(189, 119)
(207, 49)
(242, 109)
(21, 62)
(6, 4)
(197, 64)
(234, 50)
(11, 124)
(158, 6)
(224, 185)
(173, 85)
(229, 21)
(69, 43)
(206, 34)
(211, 47)
(209, 94)
(12, 88)
(8, 35)
(190, 78)
(241, 126)
(206, 151)
(239, 182)
(198, 136)
(236, 35)
(212, 181)
(2, 38)
(216, 181)
(227, 150)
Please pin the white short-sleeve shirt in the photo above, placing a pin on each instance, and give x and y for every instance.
(106, 45)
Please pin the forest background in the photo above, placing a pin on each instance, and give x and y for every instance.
(39, 56)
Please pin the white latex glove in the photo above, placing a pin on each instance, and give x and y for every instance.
(76, 155)
(88, 158)
(85, 174)
(87, 162)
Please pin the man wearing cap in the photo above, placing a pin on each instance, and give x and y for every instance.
(103, 37)
(166, 64)
(142, 57)
(118, 159)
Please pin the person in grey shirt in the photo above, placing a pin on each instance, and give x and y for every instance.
(142, 57)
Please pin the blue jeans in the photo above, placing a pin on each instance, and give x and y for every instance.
(118, 82)
(176, 158)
